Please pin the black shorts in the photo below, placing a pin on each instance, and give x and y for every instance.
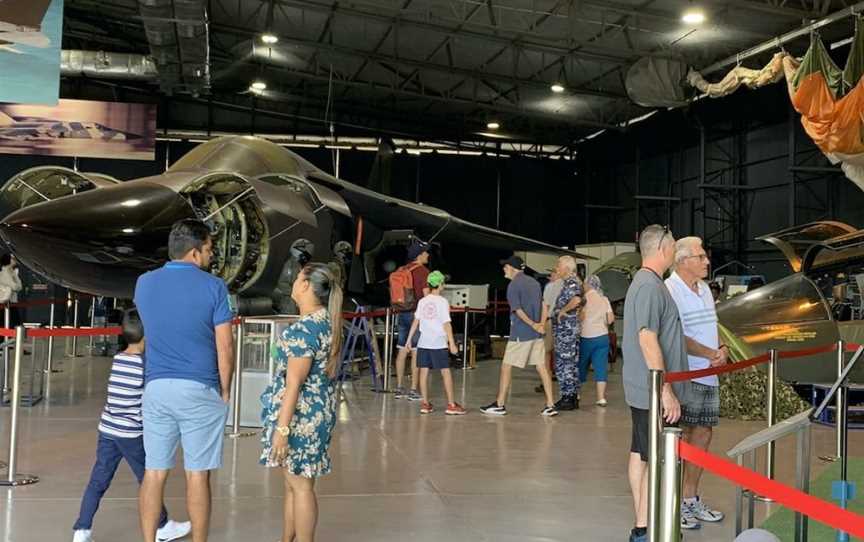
(433, 359)
(639, 442)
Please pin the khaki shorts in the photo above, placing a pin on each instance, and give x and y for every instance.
(522, 353)
(548, 339)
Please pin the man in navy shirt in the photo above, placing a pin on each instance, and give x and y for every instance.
(190, 361)
(525, 346)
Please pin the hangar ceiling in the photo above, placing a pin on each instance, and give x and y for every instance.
(421, 68)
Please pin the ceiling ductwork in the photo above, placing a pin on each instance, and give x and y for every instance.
(178, 32)
(106, 65)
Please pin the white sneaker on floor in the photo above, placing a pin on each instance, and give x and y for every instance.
(688, 519)
(82, 535)
(173, 530)
(601, 402)
(700, 511)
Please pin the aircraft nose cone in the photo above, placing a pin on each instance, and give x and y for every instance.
(91, 241)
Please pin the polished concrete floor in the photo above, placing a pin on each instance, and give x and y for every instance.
(397, 475)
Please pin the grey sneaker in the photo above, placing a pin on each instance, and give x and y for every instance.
(700, 511)
(399, 393)
(549, 411)
(414, 396)
(688, 519)
(494, 409)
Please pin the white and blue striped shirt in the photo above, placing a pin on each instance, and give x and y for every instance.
(121, 417)
(699, 320)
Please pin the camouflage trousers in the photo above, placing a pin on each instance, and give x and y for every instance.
(566, 335)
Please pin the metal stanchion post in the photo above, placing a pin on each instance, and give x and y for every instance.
(238, 385)
(92, 322)
(670, 492)
(13, 478)
(271, 359)
(50, 363)
(772, 410)
(655, 426)
(75, 325)
(465, 343)
(841, 399)
(6, 365)
(388, 323)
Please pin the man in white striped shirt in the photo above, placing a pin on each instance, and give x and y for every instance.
(121, 434)
(700, 406)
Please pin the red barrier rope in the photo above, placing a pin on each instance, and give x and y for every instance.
(808, 351)
(70, 332)
(823, 512)
(5, 332)
(690, 375)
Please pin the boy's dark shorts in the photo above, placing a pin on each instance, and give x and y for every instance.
(433, 359)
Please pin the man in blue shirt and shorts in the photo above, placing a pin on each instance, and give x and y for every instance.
(190, 361)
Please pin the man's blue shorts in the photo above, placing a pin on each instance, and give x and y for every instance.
(186, 412)
(403, 325)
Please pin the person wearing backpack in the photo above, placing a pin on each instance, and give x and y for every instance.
(408, 285)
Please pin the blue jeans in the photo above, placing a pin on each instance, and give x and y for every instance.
(595, 350)
(109, 452)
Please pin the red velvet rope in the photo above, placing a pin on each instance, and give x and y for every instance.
(69, 332)
(824, 512)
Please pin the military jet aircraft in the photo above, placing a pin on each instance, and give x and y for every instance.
(21, 24)
(39, 129)
(269, 211)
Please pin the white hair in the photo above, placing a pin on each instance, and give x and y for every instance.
(569, 263)
(650, 238)
(685, 247)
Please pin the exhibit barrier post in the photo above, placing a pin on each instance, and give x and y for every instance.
(271, 359)
(772, 410)
(75, 325)
(50, 362)
(841, 399)
(92, 323)
(237, 385)
(13, 478)
(670, 492)
(388, 331)
(465, 342)
(655, 426)
(6, 364)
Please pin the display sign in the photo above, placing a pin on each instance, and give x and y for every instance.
(30, 36)
(79, 128)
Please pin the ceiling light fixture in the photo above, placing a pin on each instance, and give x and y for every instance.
(493, 125)
(269, 38)
(557, 88)
(258, 86)
(693, 15)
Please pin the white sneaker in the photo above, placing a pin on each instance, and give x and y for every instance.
(173, 530)
(82, 535)
(688, 519)
(700, 511)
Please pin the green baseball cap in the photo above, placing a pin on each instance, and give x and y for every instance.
(436, 279)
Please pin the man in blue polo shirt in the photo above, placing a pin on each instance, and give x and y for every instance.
(190, 362)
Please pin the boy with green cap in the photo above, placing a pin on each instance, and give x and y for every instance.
(432, 318)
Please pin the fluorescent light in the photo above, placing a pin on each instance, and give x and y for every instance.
(493, 125)
(693, 16)
(258, 85)
(269, 38)
(131, 203)
(128, 230)
(557, 88)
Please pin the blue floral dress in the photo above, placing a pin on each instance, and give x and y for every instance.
(315, 414)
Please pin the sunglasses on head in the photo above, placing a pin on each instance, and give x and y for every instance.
(662, 237)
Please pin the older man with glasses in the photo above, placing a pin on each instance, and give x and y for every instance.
(700, 411)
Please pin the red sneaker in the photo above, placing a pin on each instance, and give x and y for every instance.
(426, 408)
(455, 409)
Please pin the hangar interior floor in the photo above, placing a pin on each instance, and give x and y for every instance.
(397, 475)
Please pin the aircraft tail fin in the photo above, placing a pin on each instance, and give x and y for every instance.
(6, 120)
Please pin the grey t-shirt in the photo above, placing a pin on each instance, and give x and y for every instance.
(650, 306)
(523, 292)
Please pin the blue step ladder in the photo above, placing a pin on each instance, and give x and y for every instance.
(359, 331)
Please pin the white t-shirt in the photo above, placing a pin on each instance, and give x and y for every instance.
(433, 311)
(699, 320)
(594, 315)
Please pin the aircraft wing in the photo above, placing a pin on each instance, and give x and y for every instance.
(26, 13)
(431, 223)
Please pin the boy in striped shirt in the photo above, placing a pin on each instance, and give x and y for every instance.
(121, 434)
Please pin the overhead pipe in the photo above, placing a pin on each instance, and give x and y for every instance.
(107, 65)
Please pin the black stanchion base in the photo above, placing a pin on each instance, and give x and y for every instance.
(20, 480)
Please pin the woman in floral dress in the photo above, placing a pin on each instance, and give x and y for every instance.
(300, 404)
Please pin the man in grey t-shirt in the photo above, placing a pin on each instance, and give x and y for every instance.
(653, 339)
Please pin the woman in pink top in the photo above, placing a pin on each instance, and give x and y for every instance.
(597, 316)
